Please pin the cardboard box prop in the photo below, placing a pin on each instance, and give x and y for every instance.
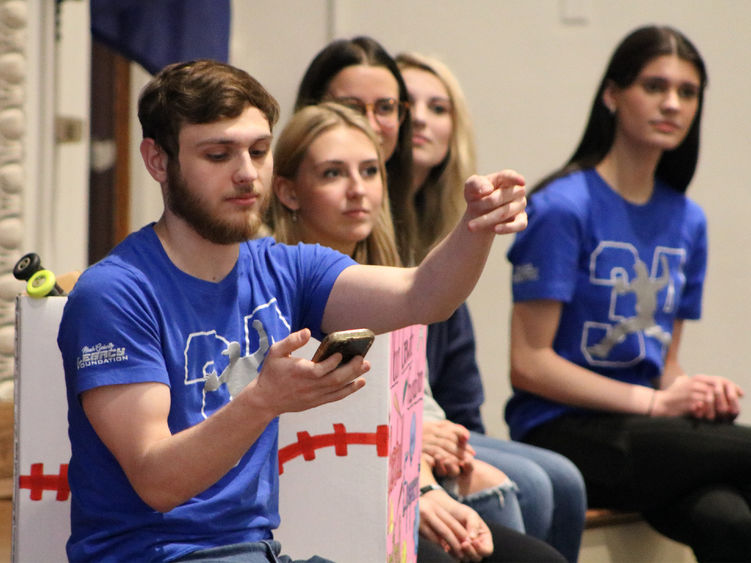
(349, 470)
(41, 497)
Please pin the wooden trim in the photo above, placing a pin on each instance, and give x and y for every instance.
(600, 517)
(121, 223)
(109, 181)
(6, 441)
(6, 488)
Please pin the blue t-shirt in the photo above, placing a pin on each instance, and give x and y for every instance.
(135, 317)
(624, 273)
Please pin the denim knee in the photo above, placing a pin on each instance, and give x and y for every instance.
(498, 504)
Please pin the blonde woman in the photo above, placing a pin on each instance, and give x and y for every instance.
(329, 189)
(552, 495)
(362, 229)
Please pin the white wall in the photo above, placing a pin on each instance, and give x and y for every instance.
(145, 193)
(57, 175)
(529, 76)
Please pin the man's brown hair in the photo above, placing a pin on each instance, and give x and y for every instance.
(200, 91)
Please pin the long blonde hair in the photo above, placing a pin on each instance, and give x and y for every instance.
(305, 126)
(439, 202)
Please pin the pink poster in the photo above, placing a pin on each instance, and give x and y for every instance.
(407, 376)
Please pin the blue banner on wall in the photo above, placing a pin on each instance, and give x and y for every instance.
(155, 33)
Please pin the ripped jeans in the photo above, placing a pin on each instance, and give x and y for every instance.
(498, 504)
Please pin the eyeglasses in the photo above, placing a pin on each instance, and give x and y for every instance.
(387, 111)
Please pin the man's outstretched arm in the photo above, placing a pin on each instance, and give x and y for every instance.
(383, 298)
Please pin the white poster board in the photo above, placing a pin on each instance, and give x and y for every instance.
(349, 470)
(41, 498)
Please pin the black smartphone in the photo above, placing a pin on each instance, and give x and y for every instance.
(349, 343)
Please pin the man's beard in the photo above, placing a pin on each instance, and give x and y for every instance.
(189, 206)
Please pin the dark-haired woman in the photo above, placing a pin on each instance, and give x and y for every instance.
(360, 73)
(612, 262)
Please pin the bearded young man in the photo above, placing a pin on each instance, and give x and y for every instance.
(166, 465)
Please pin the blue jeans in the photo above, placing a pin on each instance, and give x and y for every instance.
(498, 505)
(266, 551)
(551, 496)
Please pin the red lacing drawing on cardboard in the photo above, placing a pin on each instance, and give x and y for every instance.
(340, 439)
(37, 482)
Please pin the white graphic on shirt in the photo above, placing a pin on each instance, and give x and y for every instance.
(241, 370)
(525, 273)
(643, 287)
(204, 349)
(101, 354)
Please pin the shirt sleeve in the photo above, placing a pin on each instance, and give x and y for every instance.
(306, 277)
(545, 255)
(109, 337)
(455, 379)
(695, 270)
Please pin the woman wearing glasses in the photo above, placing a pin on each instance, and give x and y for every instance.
(359, 73)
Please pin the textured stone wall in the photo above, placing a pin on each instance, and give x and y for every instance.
(13, 67)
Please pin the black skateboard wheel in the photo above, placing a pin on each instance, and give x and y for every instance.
(27, 266)
(39, 282)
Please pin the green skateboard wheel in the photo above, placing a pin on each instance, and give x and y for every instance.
(41, 284)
